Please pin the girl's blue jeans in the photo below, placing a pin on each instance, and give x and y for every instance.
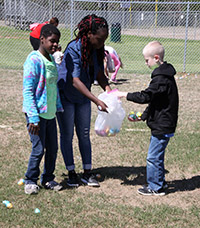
(44, 143)
(78, 116)
(155, 162)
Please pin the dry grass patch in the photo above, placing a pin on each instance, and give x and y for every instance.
(120, 160)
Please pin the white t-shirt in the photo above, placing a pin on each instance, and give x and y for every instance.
(111, 50)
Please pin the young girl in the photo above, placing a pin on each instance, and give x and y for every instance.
(81, 65)
(40, 103)
(117, 64)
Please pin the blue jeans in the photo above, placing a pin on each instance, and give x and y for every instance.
(155, 162)
(47, 139)
(78, 115)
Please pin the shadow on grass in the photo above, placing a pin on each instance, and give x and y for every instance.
(189, 184)
(122, 81)
(137, 176)
(128, 175)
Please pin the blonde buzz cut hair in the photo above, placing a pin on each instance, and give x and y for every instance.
(154, 48)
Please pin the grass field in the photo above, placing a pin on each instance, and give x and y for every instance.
(15, 46)
(120, 160)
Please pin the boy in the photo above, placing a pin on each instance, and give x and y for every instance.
(161, 114)
(40, 102)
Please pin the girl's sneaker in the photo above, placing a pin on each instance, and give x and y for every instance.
(73, 180)
(53, 185)
(31, 189)
(89, 179)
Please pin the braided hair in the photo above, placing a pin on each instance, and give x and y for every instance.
(90, 23)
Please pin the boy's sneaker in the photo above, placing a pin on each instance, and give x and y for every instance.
(31, 189)
(165, 185)
(53, 185)
(149, 192)
(73, 180)
(89, 179)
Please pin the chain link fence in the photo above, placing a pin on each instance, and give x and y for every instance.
(132, 25)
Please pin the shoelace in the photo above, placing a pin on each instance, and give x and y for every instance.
(51, 184)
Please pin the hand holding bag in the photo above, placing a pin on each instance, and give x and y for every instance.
(109, 124)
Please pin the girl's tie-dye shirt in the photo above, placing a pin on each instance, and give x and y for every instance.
(34, 88)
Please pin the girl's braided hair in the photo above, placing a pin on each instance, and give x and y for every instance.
(90, 23)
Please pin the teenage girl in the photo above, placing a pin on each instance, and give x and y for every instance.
(82, 64)
(40, 102)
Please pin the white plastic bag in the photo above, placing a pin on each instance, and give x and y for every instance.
(109, 124)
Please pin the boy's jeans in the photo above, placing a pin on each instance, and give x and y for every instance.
(47, 139)
(77, 115)
(155, 162)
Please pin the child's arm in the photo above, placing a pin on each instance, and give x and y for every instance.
(145, 114)
(103, 81)
(29, 86)
(142, 97)
(105, 67)
(121, 94)
(143, 117)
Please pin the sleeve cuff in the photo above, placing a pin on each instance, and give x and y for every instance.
(33, 119)
(129, 97)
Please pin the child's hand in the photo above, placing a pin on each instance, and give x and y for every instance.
(134, 120)
(34, 129)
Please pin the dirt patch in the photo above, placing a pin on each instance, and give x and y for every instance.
(178, 195)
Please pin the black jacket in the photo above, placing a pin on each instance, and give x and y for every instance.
(162, 96)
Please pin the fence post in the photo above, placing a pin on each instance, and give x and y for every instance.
(186, 35)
